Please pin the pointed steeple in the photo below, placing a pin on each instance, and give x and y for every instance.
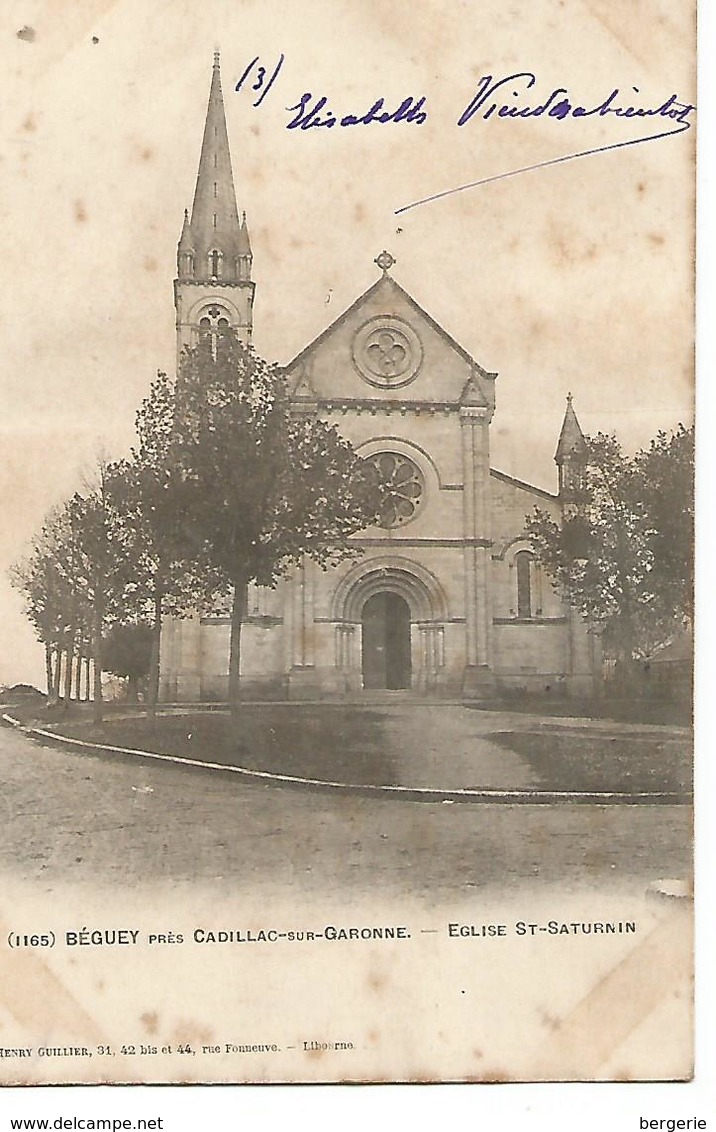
(571, 441)
(572, 452)
(214, 231)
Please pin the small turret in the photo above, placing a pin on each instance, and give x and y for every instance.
(185, 251)
(245, 255)
(571, 455)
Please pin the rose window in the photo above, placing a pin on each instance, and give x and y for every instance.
(387, 352)
(401, 488)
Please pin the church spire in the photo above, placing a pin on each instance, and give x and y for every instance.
(214, 231)
(213, 291)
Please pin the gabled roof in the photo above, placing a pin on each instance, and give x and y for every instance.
(472, 395)
(387, 281)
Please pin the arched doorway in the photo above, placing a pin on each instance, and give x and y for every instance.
(385, 623)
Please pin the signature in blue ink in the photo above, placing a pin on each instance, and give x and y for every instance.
(309, 112)
(498, 97)
(492, 96)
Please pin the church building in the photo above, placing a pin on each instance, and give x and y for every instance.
(446, 598)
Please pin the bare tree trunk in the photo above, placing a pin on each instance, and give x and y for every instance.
(48, 668)
(238, 613)
(57, 675)
(153, 681)
(69, 658)
(88, 668)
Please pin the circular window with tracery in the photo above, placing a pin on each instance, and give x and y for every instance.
(387, 352)
(401, 486)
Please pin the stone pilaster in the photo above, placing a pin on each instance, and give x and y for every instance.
(474, 425)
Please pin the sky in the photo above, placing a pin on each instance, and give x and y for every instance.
(575, 277)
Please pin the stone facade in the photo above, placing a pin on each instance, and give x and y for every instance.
(446, 598)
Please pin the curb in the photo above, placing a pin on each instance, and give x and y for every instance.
(409, 793)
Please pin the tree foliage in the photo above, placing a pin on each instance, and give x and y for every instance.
(623, 552)
(127, 651)
(176, 574)
(45, 577)
(83, 573)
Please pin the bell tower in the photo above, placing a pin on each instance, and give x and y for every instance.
(213, 289)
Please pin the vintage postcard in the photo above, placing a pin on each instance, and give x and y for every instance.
(347, 590)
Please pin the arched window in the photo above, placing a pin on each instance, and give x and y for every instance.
(523, 566)
(215, 263)
(205, 332)
(212, 325)
(222, 328)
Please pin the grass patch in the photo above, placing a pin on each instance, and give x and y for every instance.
(341, 743)
(660, 712)
(573, 760)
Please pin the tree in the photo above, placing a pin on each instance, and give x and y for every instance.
(107, 561)
(622, 553)
(259, 484)
(36, 579)
(47, 579)
(664, 482)
(83, 575)
(176, 576)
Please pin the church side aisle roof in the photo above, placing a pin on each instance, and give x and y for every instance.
(522, 485)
